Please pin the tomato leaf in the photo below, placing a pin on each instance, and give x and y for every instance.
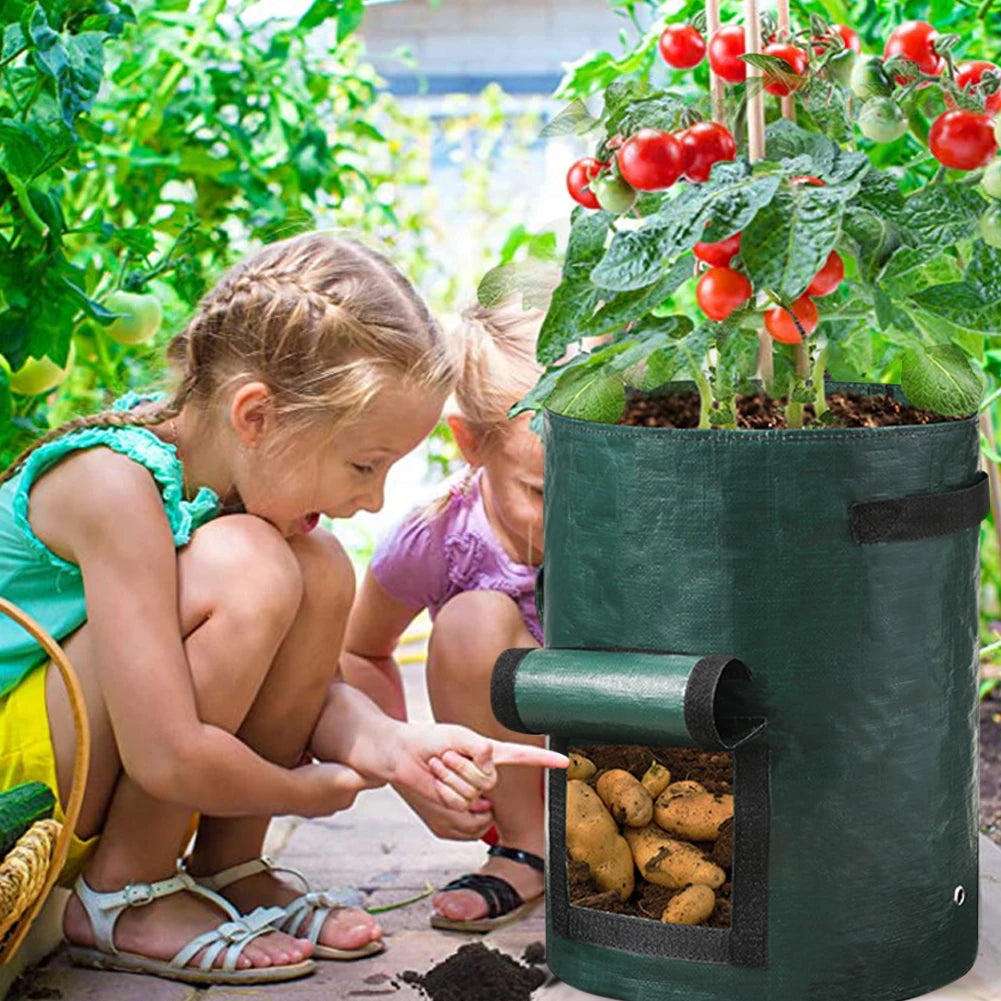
(943, 379)
(573, 120)
(938, 216)
(790, 238)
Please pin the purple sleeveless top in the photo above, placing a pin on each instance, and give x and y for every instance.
(422, 563)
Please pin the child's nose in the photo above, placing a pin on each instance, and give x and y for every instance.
(372, 500)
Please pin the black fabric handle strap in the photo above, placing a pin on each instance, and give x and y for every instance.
(923, 516)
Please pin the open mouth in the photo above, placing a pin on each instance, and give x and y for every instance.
(310, 521)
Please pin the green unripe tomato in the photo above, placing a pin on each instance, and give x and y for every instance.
(868, 78)
(882, 120)
(991, 180)
(140, 316)
(39, 375)
(614, 194)
(990, 226)
(842, 66)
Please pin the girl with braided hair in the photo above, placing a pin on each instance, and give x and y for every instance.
(471, 559)
(172, 546)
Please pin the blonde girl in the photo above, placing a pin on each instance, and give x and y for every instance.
(471, 559)
(172, 546)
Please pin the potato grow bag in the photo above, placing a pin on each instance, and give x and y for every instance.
(807, 599)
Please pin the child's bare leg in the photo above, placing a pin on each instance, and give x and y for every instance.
(469, 634)
(279, 726)
(239, 590)
(381, 682)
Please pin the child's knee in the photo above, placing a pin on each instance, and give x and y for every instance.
(473, 628)
(328, 577)
(243, 567)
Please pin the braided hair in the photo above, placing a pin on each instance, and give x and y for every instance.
(324, 321)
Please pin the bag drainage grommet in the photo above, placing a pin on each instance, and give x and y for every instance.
(959, 896)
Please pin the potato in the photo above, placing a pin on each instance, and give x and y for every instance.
(656, 779)
(629, 803)
(667, 862)
(593, 837)
(687, 785)
(693, 815)
(692, 906)
(581, 767)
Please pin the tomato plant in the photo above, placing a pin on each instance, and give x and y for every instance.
(726, 47)
(704, 144)
(790, 327)
(915, 42)
(718, 254)
(614, 194)
(795, 58)
(721, 291)
(882, 120)
(970, 76)
(579, 178)
(651, 160)
(829, 277)
(138, 316)
(682, 46)
(963, 140)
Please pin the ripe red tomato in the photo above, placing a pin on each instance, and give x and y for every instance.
(963, 140)
(579, 176)
(914, 40)
(722, 290)
(719, 254)
(968, 77)
(650, 160)
(704, 144)
(682, 46)
(808, 179)
(795, 58)
(782, 326)
(726, 47)
(829, 277)
(848, 35)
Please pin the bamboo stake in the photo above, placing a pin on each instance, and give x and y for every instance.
(715, 83)
(785, 33)
(755, 98)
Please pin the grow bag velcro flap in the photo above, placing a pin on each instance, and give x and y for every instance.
(624, 696)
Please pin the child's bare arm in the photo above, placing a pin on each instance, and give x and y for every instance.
(376, 624)
(103, 512)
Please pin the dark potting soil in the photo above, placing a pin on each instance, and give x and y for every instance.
(714, 771)
(849, 410)
(990, 768)
(476, 973)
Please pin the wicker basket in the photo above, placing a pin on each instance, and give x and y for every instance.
(31, 868)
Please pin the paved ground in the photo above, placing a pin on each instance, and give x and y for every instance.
(382, 848)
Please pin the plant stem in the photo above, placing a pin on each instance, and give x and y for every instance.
(24, 200)
(819, 390)
(705, 398)
(402, 903)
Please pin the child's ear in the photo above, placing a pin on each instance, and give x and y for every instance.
(468, 441)
(251, 413)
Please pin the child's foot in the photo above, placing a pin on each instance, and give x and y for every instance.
(345, 927)
(159, 930)
(468, 905)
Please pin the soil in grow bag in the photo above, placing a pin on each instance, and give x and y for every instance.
(669, 775)
(758, 412)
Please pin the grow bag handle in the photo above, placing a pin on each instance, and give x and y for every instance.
(922, 516)
(623, 696)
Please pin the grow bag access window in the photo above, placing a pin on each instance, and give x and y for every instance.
(660, 699)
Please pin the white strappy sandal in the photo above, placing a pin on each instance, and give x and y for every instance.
(104, 910)
(311, 905)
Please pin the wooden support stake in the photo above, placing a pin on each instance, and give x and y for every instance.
(716, 85)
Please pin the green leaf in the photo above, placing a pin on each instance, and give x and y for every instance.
(680, 359)
(533, 279)
(791, 238)
(984, 269)
(910, 270)
(573, 120)
(875, 237)
(825, 105)
(963, 305)
(76, 64)
(536, 397)
(662, 110)
(636, 258)
(626, 307)
(942, 379)
(348, 13)
(592, 390)
(939, 216)
(572, 304)
(20, 150)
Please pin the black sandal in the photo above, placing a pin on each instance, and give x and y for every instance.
(504, 902)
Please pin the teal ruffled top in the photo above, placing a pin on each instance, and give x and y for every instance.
(49, 588)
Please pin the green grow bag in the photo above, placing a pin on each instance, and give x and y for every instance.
(807, 599)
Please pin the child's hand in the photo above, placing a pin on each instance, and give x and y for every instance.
(329, 788)
(454, 766)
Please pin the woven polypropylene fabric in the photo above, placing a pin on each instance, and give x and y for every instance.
(863, 660)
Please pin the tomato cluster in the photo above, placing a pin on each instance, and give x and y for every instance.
(649, 160)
